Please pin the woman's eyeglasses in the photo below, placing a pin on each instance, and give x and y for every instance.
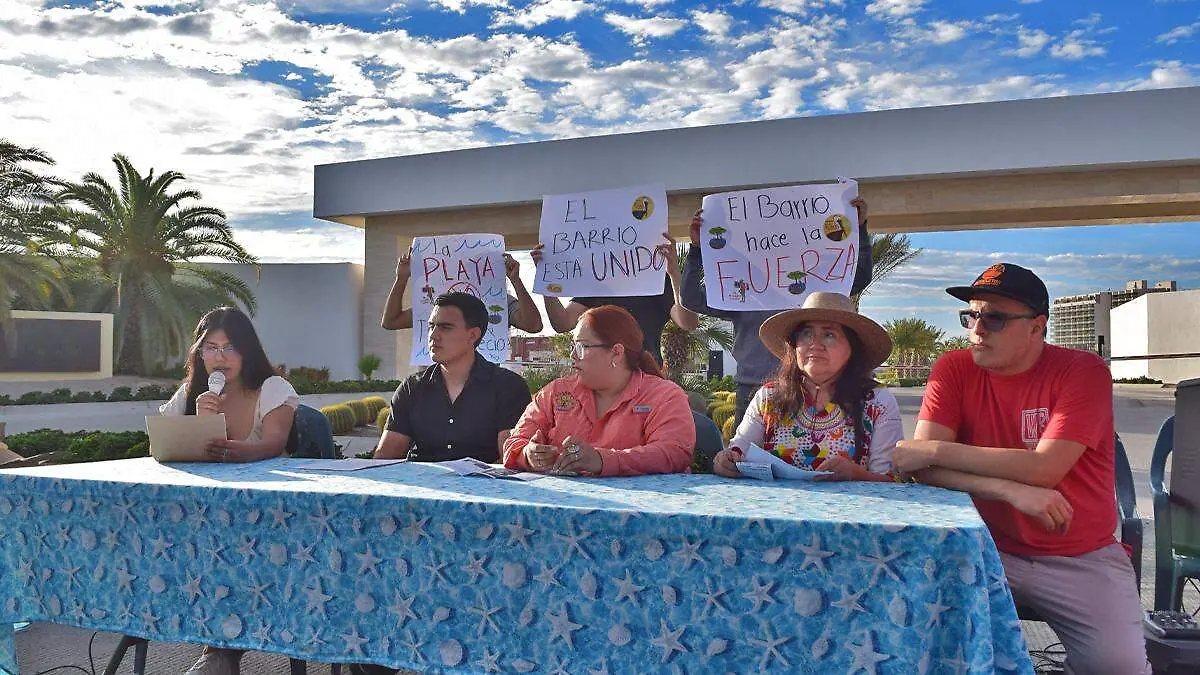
(993, 322)
(578, 349)
(213, 351)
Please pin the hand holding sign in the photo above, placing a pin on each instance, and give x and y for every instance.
(768, 249)
(469, 263)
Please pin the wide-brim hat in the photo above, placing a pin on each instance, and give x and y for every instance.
(776, 331)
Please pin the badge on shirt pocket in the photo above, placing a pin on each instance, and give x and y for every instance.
(565, 403)
(642, 409)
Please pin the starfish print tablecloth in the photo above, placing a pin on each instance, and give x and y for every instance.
(413, 566)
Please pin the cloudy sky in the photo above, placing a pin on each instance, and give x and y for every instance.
(245, 97)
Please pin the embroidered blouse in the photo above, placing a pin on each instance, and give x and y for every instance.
(804, 437)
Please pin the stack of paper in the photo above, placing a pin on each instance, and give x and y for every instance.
(760, 464)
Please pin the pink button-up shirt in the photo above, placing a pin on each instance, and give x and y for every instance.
(649, 429)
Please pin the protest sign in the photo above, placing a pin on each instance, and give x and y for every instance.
(470, 263)
(769, 248)
(602, 243)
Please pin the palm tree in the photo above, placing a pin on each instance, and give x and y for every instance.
(952, 343)
(142, 239)
(914, 343)
(26, 203)
(888, 251)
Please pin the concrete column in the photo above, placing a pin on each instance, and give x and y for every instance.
(382, 246)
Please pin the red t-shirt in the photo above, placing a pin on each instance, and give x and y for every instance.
(1067, 395)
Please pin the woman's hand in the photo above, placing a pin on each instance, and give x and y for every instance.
(860, 204)
(208, 403)
(537, 253)
(224, 450)
(843, 468)
(538, 455)
(694, 228)
(578, 457)
(725, 463)
(667, 251)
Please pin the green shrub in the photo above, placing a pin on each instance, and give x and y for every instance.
(368, 364)
(82, 397)
(375, 404)
(121, 394)
(727, 428)
(1136, 380)
(84, 446)
(153, 392)
(722, 413)
(362, 414)
(722, 384)
(341, 418)
(381, 418)
(536, 378)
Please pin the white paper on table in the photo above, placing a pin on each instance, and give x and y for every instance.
(469, 466)
(755, 471)
(353, 464)
(779, 468)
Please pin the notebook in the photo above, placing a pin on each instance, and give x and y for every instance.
(184, 438)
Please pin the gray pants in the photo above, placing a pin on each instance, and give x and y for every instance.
(1091, 602)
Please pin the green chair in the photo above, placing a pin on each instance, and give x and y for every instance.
(1176, 527)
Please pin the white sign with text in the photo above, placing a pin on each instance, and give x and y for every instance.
(769, 248)
(470, 263)
(603, 243)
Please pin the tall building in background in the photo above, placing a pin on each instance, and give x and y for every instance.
(1082, 321)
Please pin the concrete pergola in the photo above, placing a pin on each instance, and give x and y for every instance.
(1129, 157)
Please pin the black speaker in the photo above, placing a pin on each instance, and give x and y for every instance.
(716, 364)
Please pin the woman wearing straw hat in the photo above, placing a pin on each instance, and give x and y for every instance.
(824, 411)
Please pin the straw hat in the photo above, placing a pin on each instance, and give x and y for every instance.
(834, 308)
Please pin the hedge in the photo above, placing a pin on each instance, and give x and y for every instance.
(84, 446)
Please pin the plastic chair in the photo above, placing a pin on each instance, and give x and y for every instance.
(311, 437)
(1176, 529)
(708, 442)
(1129, 522)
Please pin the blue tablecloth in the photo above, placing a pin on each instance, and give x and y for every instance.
(415, 567)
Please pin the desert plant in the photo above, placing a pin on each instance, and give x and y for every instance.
(362, 414)
(368, 364)
(728, 428)
(382, 417)
(341, 418)
(722, 413)
(375, 404)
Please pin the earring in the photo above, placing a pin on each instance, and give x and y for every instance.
(613, 363)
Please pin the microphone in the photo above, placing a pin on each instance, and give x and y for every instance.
(216, 382)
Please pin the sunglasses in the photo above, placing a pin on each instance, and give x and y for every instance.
(993, 322)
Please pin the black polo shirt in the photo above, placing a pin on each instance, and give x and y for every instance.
(491, 401)
(652, 313)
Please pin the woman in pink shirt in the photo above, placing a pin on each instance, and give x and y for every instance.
(616, 416)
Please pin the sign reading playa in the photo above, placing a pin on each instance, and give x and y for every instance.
(603, 243)
(769, 248)
(471, 263)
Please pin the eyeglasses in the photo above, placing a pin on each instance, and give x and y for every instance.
(578, 349)
(212, 351)
(993, 322)
(808, 336)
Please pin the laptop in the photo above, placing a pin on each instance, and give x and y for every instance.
(184, 438)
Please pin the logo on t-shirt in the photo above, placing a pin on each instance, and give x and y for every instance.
(1033, 423)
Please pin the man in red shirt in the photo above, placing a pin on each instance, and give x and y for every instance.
(1027, 429)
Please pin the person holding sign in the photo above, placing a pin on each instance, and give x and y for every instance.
(824, 411)
(755, 362)
(1026, 428)
(617, 417)
(461, 406)
(228, 372)
(652, 312)
(522, 313)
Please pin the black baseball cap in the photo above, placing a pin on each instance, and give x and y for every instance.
(1009, 281)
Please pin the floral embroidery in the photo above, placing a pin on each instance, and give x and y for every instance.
(806, 437)
(565, 402)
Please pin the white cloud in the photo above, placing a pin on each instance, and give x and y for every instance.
(936, 32)
(542, 12)
(461, 6)
(1074, 48)
(1030, 42)
(1179, 33)
(642, 29)
(798, 7)
(894, 9)
(715, 24)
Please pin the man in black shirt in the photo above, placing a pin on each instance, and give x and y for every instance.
(461, 406)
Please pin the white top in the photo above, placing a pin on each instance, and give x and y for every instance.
(275, 391)
(804, 437)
